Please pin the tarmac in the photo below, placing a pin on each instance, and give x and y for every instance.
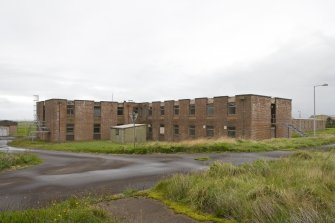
(65, 174)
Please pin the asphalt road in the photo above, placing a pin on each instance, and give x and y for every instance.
(64, 174)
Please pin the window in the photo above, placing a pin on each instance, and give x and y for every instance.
(96, 128)
(192, 110)
(191, 130)
(209, 131)
(176, 110)
(119, 110)
(150, 111)
(210, 110)
(231, 108)
(117, 132)
(70, 110)
(97, 111)
(161, 129)
(162, 110)
(231, 131)
(176, 129)
(135, 109)
(96, 131)
(70, 132)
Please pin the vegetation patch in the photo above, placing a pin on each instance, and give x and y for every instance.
(299, 188)
(195, 146)
(185, 210)
(17, 160)
(202, 158)
(72, 210)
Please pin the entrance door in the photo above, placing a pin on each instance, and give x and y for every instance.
(4, 131)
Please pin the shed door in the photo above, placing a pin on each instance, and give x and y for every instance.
(4, 131)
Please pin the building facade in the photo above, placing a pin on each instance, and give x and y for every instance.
(242, 116)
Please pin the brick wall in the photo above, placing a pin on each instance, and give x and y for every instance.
(260, 117)
(283, 117)
(55, 117)
(108, 118)
(83, 120)
(220, 116)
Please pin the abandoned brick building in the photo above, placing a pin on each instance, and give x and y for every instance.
(242, 116)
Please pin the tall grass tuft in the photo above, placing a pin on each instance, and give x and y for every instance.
(299, 188)
(10, 160)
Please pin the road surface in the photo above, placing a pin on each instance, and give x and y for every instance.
(66, 174)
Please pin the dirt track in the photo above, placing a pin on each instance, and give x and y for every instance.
(63, 174)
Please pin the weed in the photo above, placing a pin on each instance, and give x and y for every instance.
(298, 188)
(14, 160)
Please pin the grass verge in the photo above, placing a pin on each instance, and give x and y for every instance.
(72, 210)
(196, 146)
(299, 188)
(17, 160)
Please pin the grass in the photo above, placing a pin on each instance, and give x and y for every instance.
(72, 210)
(202, 158)
(17, 160)
(299, 188)
(196, 146)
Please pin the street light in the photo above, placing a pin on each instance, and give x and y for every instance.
(314, 121)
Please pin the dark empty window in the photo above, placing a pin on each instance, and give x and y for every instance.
(70, 132)
(96, 131)
(231, 131)
(150, 132)
(210, 110)
(97, 111)
(192, 110)
(150, 111)
(119, 110)
(176, 129)
(231, 108)
(176, 110)
(209, 130)
(162, 110)
(191, 130)
(70, 110)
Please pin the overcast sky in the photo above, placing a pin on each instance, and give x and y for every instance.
(161, 50)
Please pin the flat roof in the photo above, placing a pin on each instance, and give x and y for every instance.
(126, 126)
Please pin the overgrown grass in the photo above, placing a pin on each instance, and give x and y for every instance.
(17, 160)
(196, 146)
(73, 210)
(299, 188)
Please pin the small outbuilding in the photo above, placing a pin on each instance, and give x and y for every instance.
(7, 128)
(126, 133)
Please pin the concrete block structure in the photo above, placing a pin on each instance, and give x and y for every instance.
(306, 124)
(243, 116)
(129, 133)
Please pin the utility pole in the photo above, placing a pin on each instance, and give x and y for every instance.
(314, 121)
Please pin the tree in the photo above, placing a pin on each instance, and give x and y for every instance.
(330, 123)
